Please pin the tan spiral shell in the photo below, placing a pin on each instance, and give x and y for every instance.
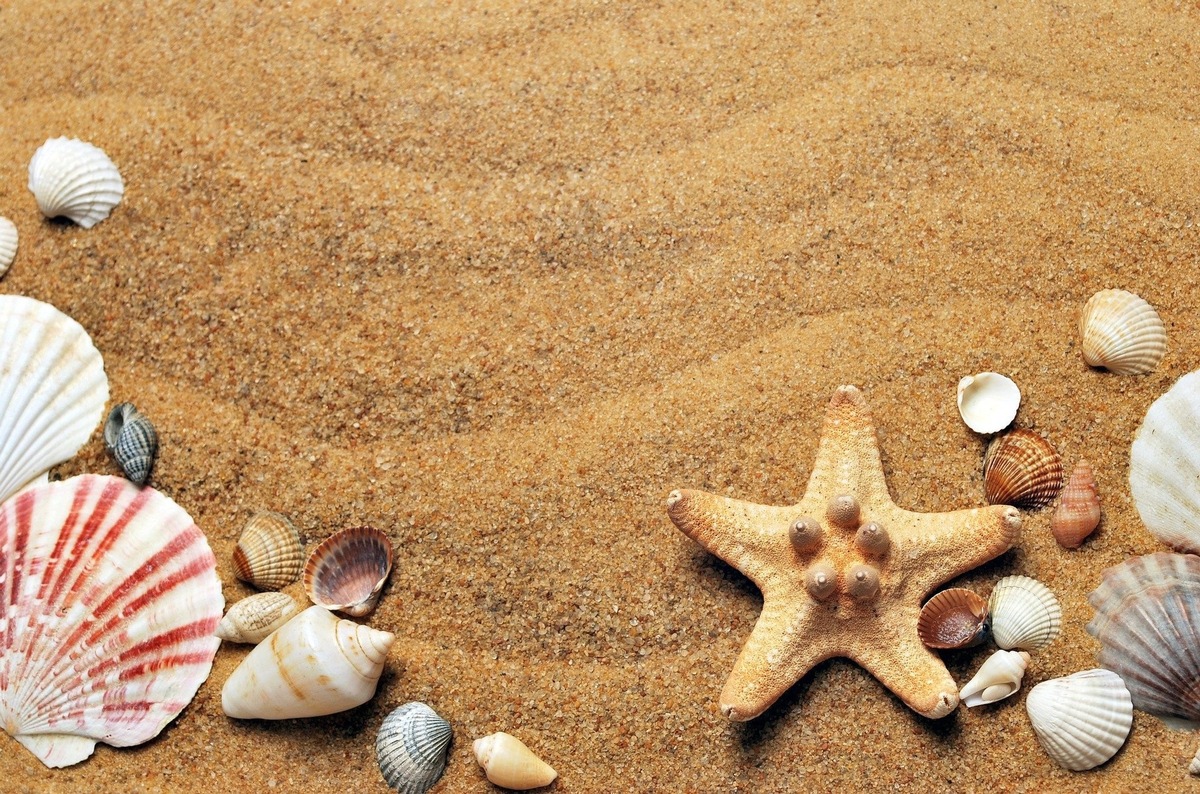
(1122, 333)
(1022, 469)
(254, 618)
(268, 554)
(1078, 512)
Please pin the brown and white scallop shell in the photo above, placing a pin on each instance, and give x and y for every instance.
(1122, 333)
(954, 618)
(1078, 512)
(348, 570)
(1022, 469)
(268, 554)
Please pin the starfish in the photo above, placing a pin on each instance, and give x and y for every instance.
(852, 588)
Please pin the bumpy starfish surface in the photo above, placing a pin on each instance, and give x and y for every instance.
(844, 572)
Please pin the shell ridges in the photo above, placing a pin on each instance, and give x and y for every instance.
(411, 748)
(268, 553)
(1164, 466)
(953, 618)
(256, 617)
(348, 570)
(74, 179)
(1022, 469)
(1025, 614)
(132, 441)
(1122, 333)
(8, 244)
(1081, 720)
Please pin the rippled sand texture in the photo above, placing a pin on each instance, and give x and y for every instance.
(495, 279)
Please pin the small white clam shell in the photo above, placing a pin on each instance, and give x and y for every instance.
(74, 179)
(1081, 720)
(411, 748)
(988, 401)
(1164, 469)
(1122, 333)
(998, 677)
(1025, 614)
(254, 618)
(510, 764)
(315, 665)
(8, 244)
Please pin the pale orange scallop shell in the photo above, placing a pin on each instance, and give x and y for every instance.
(1022, 469)
(347, 571)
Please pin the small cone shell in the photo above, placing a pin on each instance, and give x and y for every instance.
(268, 554)
(253, 619)
(954, 618)
(510, 764)
(1078, 512)
(999, 677)
(1022, 469)
(1122, 333)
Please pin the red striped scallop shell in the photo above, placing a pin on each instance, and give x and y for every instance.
(110, 597)
(348, 570)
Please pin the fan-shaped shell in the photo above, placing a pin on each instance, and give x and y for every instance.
(954, 618)
(110, 597)
(411, 748)
(1022, 469)
(52, 390)
(988, 401)
(508, 763)
(348, 570)
(1025, 614)
(254, 618)
(1078, 511)
(1164, 466)
(1122, 333)
(1081, 720)
(998, 677)
(74, 179)
(8, 244)
(269, 554)
(132, 441)
(1147, 614)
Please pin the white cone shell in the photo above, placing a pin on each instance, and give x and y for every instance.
(508, 763)
(988, 401)
(73, 179)
(8, 244)
(1122, 333)
(52, 390)
(110, 597)
(1081, 720)
(1164, 466)
(1025, 614)
(998, 677)
(315, 665)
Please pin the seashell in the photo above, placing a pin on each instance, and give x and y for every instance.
(1025, 614)
(268, 554)
(1122, 333)
(998, 677)
(316, 664)
(1164, 471)
(52, 390)
(347, 571)
(254, 618)
(8, 244)
(132, 441)
(1021, 469)
(1078, 512)
(1081, 720)
(71, 178)
(411, 748)
(508, 763)
(110, 597)
(954, 618)
(988, 401)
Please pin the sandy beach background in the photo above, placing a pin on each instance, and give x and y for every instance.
(496, 277)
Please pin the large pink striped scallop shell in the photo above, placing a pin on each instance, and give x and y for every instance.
(110, 596)
(347, 571)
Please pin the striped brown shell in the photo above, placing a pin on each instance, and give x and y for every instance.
(348, 570)
(1078, 512)
(268, 554)
(954, 618)
(1022, 469)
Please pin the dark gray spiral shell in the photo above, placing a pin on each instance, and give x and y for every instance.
(132, 440)
(411, 748)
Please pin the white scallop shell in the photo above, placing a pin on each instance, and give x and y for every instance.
(8, 244)
(52, 390)
(315, 665)
(1164, 466)
(110, 597)
(1025, 614)
(411, 748)
(998, 677)
(1122, 333)
(71, 178)
(1081, 720)
(256, 617)
(508, 763)
(988, 401)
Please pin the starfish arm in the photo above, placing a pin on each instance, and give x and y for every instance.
(778, 653)
(752, 538)
(944, 545)
(911, 671)
(848, 459)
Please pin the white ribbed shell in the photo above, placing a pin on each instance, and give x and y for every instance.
(998, 677)
(1081, 720)
(256, 617)
(111, 597)
(988, 401)
(52, 390)
(1122, 333)
(411, 748)
(1164, 466)
(1025, 614)
(8, 244)
(73, 179)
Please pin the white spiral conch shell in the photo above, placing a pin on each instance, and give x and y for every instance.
(510, 764)
(8, 244)
(1025, 614)
(73, 179)
(1081, 720)
(254, 618)
(1164, 470)
(998, 677)
(1122, 333)
(988, 401)
(315, 665)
